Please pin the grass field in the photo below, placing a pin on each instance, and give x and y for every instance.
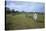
(22, 22)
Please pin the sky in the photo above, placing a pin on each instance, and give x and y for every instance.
(28, 0)
(26, 6)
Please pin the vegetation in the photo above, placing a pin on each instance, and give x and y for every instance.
(23, 20)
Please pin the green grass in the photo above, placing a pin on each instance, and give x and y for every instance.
(22, 22)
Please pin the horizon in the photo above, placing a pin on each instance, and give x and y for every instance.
(26, 6)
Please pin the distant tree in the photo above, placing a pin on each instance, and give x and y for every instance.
(13, 12)
(7, 10)
(17, 12)
(22, 11)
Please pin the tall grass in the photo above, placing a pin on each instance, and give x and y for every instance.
(23, 21)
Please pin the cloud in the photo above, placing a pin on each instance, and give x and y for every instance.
(26, 6)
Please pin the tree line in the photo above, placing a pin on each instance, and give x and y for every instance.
(9, 11)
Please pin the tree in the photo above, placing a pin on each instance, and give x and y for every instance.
(7, 10)
(13, 12)
(17, 11)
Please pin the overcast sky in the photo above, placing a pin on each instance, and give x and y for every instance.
(26, 6)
